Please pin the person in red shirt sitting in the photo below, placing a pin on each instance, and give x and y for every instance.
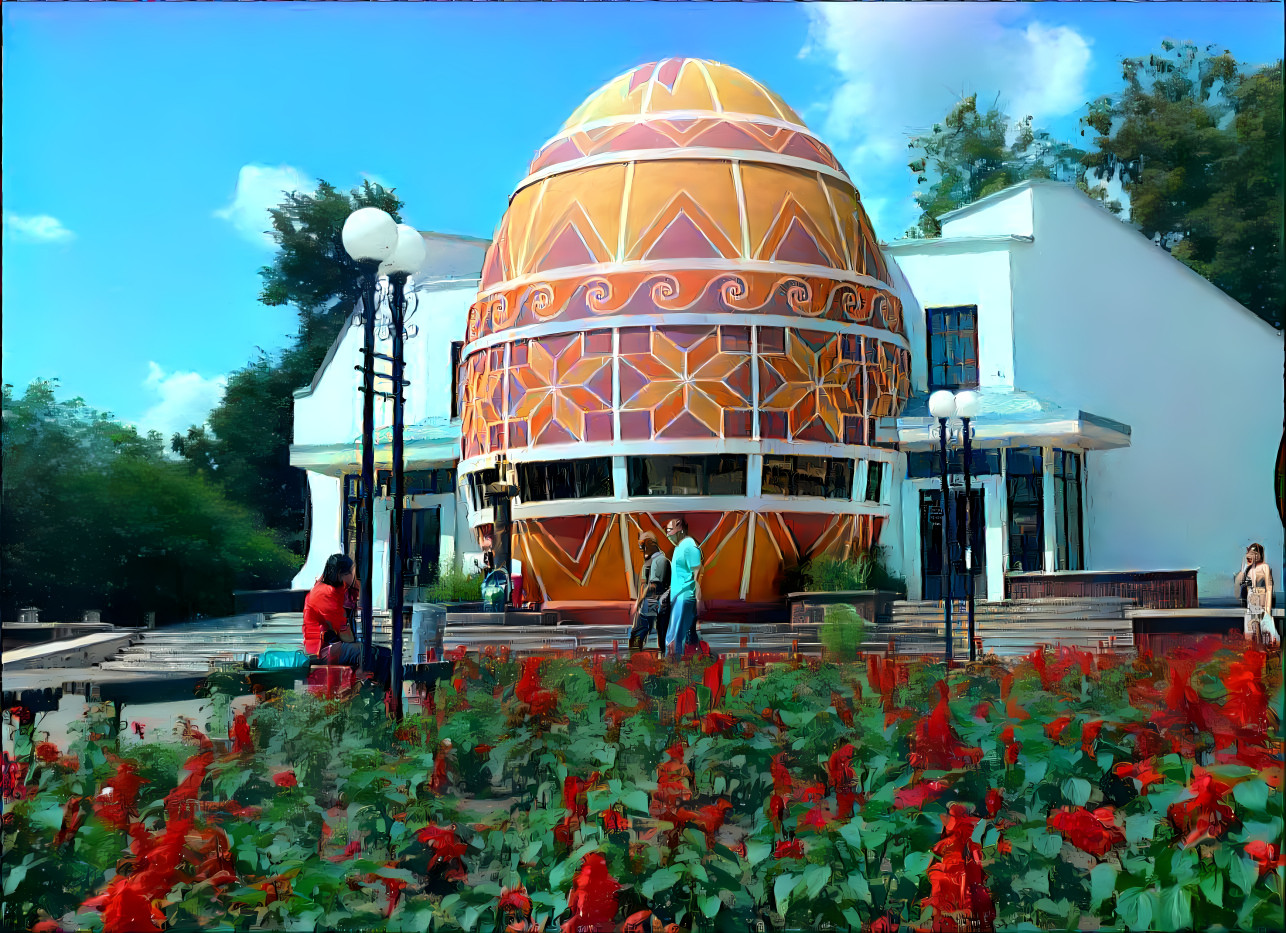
(328, 633)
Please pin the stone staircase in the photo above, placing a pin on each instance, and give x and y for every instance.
(916, 629)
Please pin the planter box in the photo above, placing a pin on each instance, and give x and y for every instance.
(1150, 589)
(875, 606)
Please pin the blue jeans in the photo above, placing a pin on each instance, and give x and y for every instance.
(643, 625)
(350, 654)
(683, 617)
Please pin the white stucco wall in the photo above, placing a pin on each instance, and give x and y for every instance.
(943, 275)
(1109, 323)
(1006, 213)
(326, 534)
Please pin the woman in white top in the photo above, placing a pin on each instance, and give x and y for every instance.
(1257, 577)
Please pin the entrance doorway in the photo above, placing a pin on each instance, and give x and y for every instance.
(422, 531)
(931, 550)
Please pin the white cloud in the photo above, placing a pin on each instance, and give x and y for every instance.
(182, 399)
(901, 66)
(36, 228)
(260, 187)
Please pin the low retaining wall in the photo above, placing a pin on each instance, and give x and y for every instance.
(1151, 589)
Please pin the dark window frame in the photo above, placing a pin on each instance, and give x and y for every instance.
(874, 468)
(642, 472)
(584, 480)
(457, 347)
(1069, 535)
(941, 370)
(836, 481)
(1028, 482)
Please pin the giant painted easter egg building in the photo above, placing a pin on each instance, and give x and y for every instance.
(684, 311)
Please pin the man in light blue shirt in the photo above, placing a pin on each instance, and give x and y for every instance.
(685, 587)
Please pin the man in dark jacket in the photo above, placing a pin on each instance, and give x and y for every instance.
(654, 593)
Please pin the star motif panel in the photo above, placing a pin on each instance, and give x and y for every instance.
(560, 389)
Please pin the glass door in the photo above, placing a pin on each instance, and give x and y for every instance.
(931, 548)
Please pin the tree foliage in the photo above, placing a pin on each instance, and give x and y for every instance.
(96, 517)
(246, 449)
(974, 153)
(1197, 145)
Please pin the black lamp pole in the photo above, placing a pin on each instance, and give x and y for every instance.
(968, 541)
(366, 509)
(946, 546)
(397, 314)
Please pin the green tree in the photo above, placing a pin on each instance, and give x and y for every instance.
(1197, 146)
(246, 449)
(974, 153)
(96, 517)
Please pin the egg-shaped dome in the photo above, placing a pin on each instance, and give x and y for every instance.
(685, 271)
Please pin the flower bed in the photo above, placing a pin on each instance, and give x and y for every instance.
(1066, 791)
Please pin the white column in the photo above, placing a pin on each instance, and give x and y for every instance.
(993, 497)
(1047, 508)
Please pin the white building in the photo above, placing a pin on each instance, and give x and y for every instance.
(328, 427)
(1130, 419)
(1131, 411)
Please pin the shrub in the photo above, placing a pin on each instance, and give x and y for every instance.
(454, 585)
(842, 632)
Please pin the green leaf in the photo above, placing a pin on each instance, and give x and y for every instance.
(619, 696)
(781, 890)
(1036, 879)
(756, 852)
(1102, 883)
(1139, 826)
(710, 905)
(1176, 907)
(852, 834)
(1035, 773)
(1243, 873)
(660, 880)
(1211, 885)
(635, 800)
(1057, 908)
(1077, 791)
(815, 878)
(915, 864)
(1046, 843)
(1134, 907)
(1253, 794)
(858, 885)
(48, 814)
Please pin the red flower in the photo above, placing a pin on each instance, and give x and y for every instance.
(936, 746)
(575, 792)
(781, 783)
(714, 723)
(773, 717)
(13, 783)
(1141, 772)
(713, 680)
(817, 818)
(286, 779)
(958, 885)
(918, 794)
(438, 781)
(842, 709)
(47, 752)
(994, 801)
(1094, 832)
(1055, 728)
(457, 653)
(529, 690)
(844, 802)
(1089, 736)
(776, 810)
(839, 768)
(885, 924)
(239, 732)
(515, 901)
(615, 822)
(448, 848)
(593, 899)
(72, 816)
(351, 850)
(181, 799)
(1204, 816)
(685, 704)
(789, 849)
(982, 709)
(1247, 703)
(118, 800)
(1266, 854)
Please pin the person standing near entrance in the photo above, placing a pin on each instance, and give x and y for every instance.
(653, 605)
(1256, 578)
(685, 587)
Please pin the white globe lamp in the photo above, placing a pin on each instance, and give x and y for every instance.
(942, 404)
(407, 255)
(369, 235)
(967, 403)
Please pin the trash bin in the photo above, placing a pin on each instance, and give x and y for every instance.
(428, 627)
(495, 591)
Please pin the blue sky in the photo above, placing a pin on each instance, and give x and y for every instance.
(142, 142)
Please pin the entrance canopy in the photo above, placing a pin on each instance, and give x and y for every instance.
(1007, 418)
(434, 440)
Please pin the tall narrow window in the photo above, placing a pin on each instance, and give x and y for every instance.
(953, 347)
(874, 480)
(1026, 509)
(352, 486)
(456, 347)
(1067, 510)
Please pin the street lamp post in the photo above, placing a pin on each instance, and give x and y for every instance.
(369, 237)
(942, 405)
(407, 258)
(966, 408)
